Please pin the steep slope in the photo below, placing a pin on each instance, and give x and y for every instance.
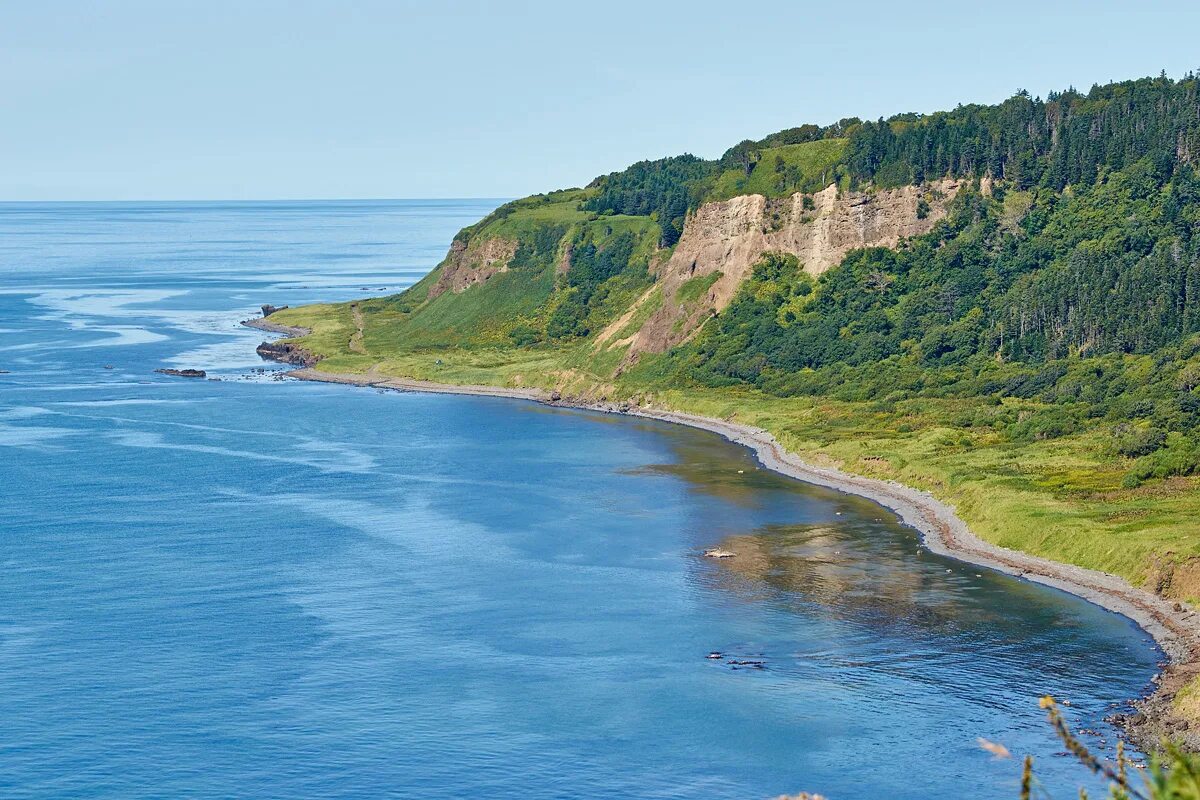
(473, 262)
(724, 239)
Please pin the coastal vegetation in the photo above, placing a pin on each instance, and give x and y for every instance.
(1173, 776)
(1029, 354)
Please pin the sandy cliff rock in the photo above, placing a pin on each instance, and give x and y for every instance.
(470, 263)
(731, 235)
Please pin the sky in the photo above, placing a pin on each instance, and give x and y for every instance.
(275, 99)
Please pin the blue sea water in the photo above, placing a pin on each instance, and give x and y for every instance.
(271, 589)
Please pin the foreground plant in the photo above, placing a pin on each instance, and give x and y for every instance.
(1173, 774)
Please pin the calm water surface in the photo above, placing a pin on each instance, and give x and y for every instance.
(261, 589)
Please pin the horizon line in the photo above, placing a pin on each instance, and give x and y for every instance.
(257, 200)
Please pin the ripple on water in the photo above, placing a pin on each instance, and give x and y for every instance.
(218, 589)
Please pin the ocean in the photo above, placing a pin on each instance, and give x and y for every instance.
(260, 588)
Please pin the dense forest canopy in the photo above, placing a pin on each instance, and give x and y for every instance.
(1067, 139)
(1082, 253)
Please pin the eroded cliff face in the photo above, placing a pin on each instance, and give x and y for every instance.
(730, 236)
(474, 262)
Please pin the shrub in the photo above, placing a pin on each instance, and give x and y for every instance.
(1133, 442)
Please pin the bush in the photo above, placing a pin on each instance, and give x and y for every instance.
(1181, 456)
(1042, 425)
(524, 335)
(1133, 442)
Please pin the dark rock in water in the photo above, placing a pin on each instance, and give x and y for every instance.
(269, 309)
(286, 353)
(108, 366)
(3, 372)
(184, 373)
(714, 655)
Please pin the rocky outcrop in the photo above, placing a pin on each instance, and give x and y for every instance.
(273, 327)
(286, 352)
(469, 263)
(269, 309)
(183, 373)
(564, 259)
(729, 237)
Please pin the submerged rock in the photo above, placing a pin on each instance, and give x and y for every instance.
(184, 373)
(750, 663)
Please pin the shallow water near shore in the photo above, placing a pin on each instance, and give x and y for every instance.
(262, 588)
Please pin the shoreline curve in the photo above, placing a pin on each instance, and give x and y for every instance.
(1173, 626)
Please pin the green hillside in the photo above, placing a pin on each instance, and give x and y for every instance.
(1033, 356)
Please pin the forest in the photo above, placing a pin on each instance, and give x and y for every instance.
(1087, 300)
(1067, 139)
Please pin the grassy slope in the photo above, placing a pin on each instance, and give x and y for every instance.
(487, 316)
(781, 171)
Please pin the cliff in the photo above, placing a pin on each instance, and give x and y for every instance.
(471, 263)
(725, 239)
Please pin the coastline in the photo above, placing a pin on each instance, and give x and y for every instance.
(1174, 627)
(262, 324)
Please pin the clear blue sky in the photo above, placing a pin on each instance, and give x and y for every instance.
(292, 99)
